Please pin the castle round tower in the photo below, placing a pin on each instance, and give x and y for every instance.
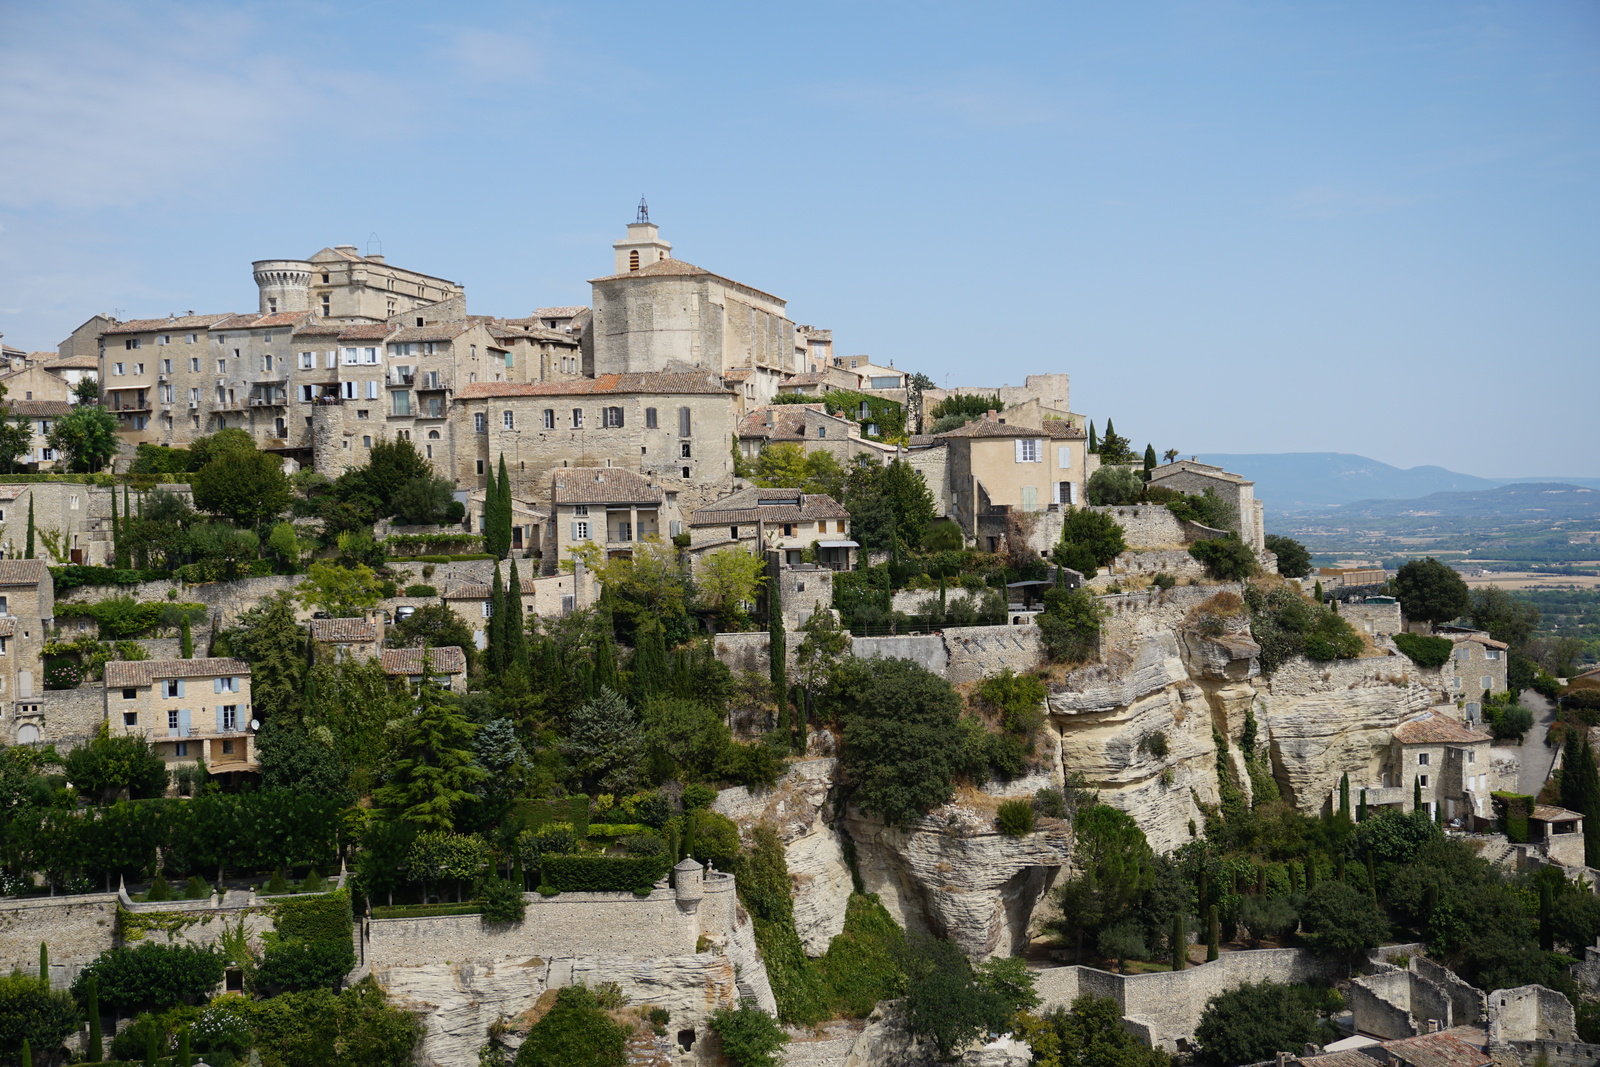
(285, 285)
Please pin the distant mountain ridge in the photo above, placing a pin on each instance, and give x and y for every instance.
(1315, 481)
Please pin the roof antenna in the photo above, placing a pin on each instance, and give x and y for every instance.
(373, 239)
(644, 211)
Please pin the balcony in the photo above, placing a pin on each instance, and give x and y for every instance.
(130, 406)
(278, 400)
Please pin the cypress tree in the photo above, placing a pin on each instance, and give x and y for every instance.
(502, 512)
(1338, 867)
(1438, 814)
(28, 554)
(649, 673)
(96, 1049)
(778, 657)
(1180, 947)
(27, 1053)
(152, 1047)
(186, 640)
(512, 636)
(605, 664)
(1311, 873)
(1361, 809)
(1416, 794)
(1213, 934)
(44, 963)
(1149, 460)
(1372, 878)
(1580, 790)
(184, 1059)
(494, 644)
(1094, 446)
(1344, 794)
(1318, 594)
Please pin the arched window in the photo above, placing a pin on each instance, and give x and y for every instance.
(433, 435)
(633, 260)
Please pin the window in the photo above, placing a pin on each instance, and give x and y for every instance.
(266, 363)
(1422, 759)
(400, 350)
(119, 368)
(348, 390)
(166, 368)
(173, 687)
(1030, 498)
(480, 422)
(140, 422)
(822, 431)
(684, 450)
(549, 418)
(580, 510)
(685, 424)
(788, 529)
(685, 471)
(402, 402)
(363, 413)
(839, 526)
(228, 718)
(508, 420)
(222, 366)
(372, 394)
(580, 531)
(577, 418)
(633, 260)
(366, 441)
(733, 532)
(1064, 456)
(611, 417)
(164, 339)
(138, 368)
(1461, 655)
(181, 748)
(305, 393)
(308, 360)
(650, 418)
(332, 359)
(194, 364)
(172, 720)
(429, 348)
(129, 694)
(1029, 452)
(1472, 757)
(480, 466)
(351, 356)
(131, 343)
(1488, 682)
(190, 338)
(1422, 780)
(130, 718)
(194, 396)
(1493, 653)
(227, 747)
(1063, 493)
(369, 355)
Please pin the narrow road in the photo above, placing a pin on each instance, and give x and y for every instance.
(1536, 759)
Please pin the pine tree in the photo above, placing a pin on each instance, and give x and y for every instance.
(1149, 460)
(1213, 934)
(28, 554)
(186, 640)
(91, 1003)
(495, 645)
(1094, 446)
(778, 657)
(434, 769)
(1180, 947)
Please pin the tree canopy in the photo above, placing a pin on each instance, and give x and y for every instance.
(1293, 559)
(86, 436)
(1431, 592)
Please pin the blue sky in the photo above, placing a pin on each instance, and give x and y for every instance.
(1240, 227)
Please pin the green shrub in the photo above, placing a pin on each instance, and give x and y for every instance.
(1512, 811)
(576, 1032)
(159, 890)
(749, 1036)
(1428, 652)
(1015, 818)
(1050, 803)
(424, 911)
(30, 1012)
(1226, 559)
(601, 874)
(292, 965)
(322, 918)
(1508, 722)
(421, 590)
(502, 902)
(698, 796)
(150, 975)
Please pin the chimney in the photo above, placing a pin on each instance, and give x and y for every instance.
(1283, 1059)
(990, 414)
(1433, 1026)
(376, 257)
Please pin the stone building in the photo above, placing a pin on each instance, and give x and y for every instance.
(41, 376)
(190, 709)
(339, 283)
(41, 416)
(339, 640)
(547, 596)
(446, 665)
(1188, 476)
(1477, 665)
(673, 427)
(994, 466)
(27, 613)
(811, 428)
(655, 310)
(1449, 761)
(608, 507)
(785, 521)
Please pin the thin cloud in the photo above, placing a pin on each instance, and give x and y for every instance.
(1334, 201)
(116, 105)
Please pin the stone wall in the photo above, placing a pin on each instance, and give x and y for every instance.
(1136, 615)
(1166, 1005)
(976, 652)
(1377, 619)
(925, 650)
(1530, 1013)
(1145, 525)
(224, 599)
(1394, 1002)
(67, 717)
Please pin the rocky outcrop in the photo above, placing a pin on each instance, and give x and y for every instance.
(951, 873)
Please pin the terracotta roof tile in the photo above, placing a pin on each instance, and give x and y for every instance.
(768, 505)
(341, 630)
(558, 313)
(39, 407)
(1548, 813)
(1436, 1050)
(121, 673)
(1481, 639)
(603, 485)
(8, 627)
(677, 268)
(1344, 1058)
(468, 591)
(181, 322)
(1436, 729)
(787, 420)
(23, 571)
(83, 362)
(366, 331)
(446, 659)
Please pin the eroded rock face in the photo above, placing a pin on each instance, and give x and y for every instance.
(951, 873)
(1108, 718)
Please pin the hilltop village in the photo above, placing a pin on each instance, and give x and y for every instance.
(650, 683)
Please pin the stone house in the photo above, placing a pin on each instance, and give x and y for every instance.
(1448, 760)
(811, 428)
(609, 507)
(446, 665)
(821, 379)
(786, 521)
(528, 522)
(673, 427)
(338, 640)
(340, 283)
(550, 597)
(27, 612)
(190, 709)
(1376, 615)
(41, 376)
(1189, 476)
(41, 416)
(994, 466)
(1560, 831)
(1477, 665)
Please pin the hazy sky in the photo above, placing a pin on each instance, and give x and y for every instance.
(1240, 227)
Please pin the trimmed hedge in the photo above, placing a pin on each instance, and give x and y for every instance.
(424, 911)
(1428, 652)
(602, 874)
(1513, 810)
(617, 829)
(72, 575)
(324, 918)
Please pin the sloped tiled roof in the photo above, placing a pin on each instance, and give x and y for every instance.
(341, 630)
(40, 407)
(83, 362)
(8, 627)
(438, 331)
(658, 382)
(1436, 729)
(120, 673)
(23, 571)
(749, 505)
(1057, 429)
(1343, 1058)
(603, 485)
(446, 659)
(366, 331)
(468, 591)
(259, 322)
(1548, 813)
(787, 419)
(180, 322)
(1437, 1050)
(677, 268)
(1481, 639)
(1196, 467)
(559, 313)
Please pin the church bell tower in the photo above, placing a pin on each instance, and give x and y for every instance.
(643, 245)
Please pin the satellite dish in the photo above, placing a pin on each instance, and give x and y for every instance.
(255, 724)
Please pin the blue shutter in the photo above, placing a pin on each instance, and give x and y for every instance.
(180, 687)
(216, 685)
(219, 718)
(183, 722)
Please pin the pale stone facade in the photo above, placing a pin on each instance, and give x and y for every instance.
(811, 428)
(993, 464)
(339, 283)
(27, 612)
(786, 521)
(607, 507)
(190, 709)
(1188, 476)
